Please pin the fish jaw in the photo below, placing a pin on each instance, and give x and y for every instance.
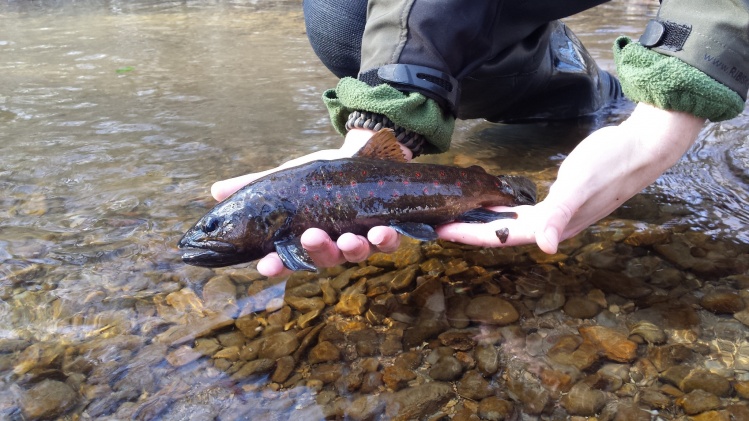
(209, 253)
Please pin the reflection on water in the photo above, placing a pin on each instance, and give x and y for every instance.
(117, 116)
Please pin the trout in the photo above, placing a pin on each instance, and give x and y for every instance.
(375, 187)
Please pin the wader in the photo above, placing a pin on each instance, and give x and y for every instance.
(525, 64)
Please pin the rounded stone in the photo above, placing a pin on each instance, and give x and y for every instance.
(323, 352)
(279, 345)
(582, 400)
(473, 386)
(491, 310)
(698, 401)
(700, 379)
(48, 399)
(446, 369)
(722, 302)
(495, 409)
(581, 308)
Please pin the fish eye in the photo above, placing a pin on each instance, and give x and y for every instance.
(211, 224)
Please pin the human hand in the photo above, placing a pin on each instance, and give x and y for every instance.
(606, 169)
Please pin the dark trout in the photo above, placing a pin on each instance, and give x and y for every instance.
(375, 187)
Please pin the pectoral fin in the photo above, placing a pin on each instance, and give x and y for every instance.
(485, 215)
(294, 256)
(419, 231)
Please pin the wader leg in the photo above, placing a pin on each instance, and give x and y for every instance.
(563, 82)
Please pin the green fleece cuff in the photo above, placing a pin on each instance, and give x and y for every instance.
(412, 111)
(671, 84)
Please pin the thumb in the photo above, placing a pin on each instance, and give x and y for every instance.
(552, 225)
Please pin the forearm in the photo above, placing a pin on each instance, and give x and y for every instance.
(617, 162)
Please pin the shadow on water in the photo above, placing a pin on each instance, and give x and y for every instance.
(117, 116)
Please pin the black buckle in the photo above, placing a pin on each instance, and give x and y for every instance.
(426, 78)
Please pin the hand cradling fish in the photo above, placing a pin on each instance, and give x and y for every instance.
(375, 187)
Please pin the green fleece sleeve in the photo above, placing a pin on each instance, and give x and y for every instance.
(671, 84)
(412, 111)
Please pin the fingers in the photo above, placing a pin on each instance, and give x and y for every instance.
(552, 226)
(271, 265)
(354, 248)
(385, 239)
(323, 251)
(220, 190)
(499, 233)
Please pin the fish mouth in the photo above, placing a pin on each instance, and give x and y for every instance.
(209, 253)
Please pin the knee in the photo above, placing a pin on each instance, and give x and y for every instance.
(335, 29)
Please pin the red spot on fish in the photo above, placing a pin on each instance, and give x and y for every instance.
(426, 190)
(353, 184)
(303, 189)
(396, 193)
(371, 193)
(306, 209)
(327, 203)
(436, 183)
(442, 173)
(363, 172)
(338, 195)
(462, 173)
(328, 186)
(356, 197)
(316, 197)
(418, 174)
(406, 182)
(457, 183)
(380, 183)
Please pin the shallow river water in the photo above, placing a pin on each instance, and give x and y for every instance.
(116, 117)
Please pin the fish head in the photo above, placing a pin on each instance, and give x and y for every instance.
(233, 232)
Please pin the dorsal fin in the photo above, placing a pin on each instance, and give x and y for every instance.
(382, 145)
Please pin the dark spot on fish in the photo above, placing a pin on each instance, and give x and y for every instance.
(502, 234)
